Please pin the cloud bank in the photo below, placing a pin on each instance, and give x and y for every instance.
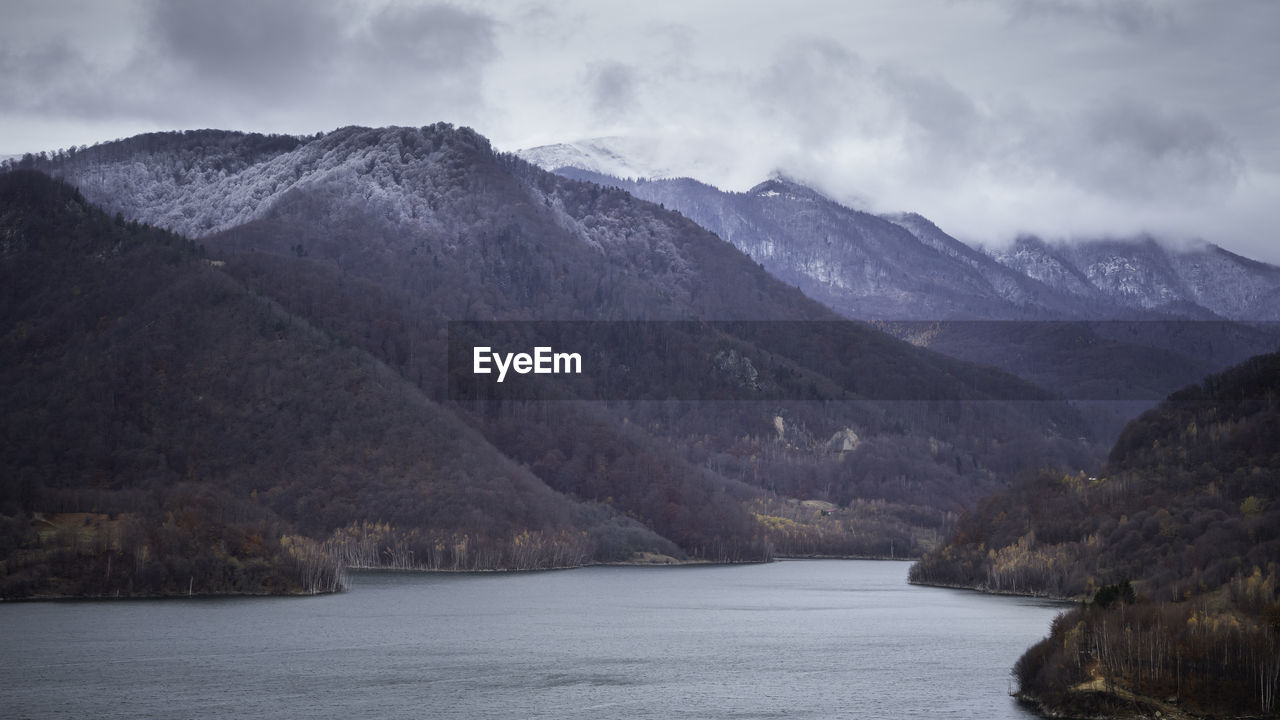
(1062, 118)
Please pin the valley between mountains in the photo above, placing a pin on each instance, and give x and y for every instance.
(227, 370)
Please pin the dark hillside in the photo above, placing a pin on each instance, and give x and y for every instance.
(145, 386)
(1177, 544)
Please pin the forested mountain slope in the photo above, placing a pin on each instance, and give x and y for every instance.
(860, 264)
(865, 265)
(1119, 324)
(379, 237)
(1187, 501)
(1141, 274)
(1185, 521)
(166, 429)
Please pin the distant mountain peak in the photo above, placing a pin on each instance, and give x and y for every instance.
(779, 185)
(618, 157)
(913, 217)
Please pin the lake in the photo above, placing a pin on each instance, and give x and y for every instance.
(791, 639)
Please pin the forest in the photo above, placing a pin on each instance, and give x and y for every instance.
(1174, 552)
(1214, 656)
(168, 431)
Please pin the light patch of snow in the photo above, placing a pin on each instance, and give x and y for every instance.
(824, 272)
(199, 200)
(619, 157)
(639, 157)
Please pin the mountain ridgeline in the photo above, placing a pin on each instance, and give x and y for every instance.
(904, 267)
(284, 375)
(1115, 324)
(859, 264)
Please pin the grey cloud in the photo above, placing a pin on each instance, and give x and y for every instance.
(536, 14)
(415, 62)
(50, 65)
(286, 65)
(56, 79)
(334, 64)
(253, 48)
(1137, 152)
(45, 75)
(996, 115)
(937, 113)
(674, 44)
(297, 64)
(824, 97)
(432, 38)
(613, 89)
(818, 86)
(859, 127)
(1126, 16)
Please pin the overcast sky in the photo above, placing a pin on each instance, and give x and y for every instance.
(1063, 118)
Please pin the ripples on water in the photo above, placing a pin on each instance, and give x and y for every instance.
(794, 639)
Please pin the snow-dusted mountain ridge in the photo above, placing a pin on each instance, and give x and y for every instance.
(1142, 273)
(903, 266)
(215, 183)
(623, 157)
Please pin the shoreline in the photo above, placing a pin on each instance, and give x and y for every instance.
(1000, 593)
(663, 562)
(163, 596)
(371, 570)
(885, 558)
(1099, 704)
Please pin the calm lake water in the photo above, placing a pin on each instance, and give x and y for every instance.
(793, 639)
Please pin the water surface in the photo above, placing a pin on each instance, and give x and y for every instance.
(793, 639)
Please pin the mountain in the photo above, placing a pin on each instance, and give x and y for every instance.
(620, 157)
(1170, 511)
(1114, 325)
(1173, 546)
(863, 266)
(1140, 274)
(1177, 543)
(168, 430)
(382, 239)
